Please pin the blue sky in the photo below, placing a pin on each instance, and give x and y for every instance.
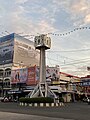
(71, 52)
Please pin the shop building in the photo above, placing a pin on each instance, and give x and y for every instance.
(15, 52)
(70, 87)
(85, 84)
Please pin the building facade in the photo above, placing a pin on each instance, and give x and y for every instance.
(15, 52)
(70, 87)
(85, 84)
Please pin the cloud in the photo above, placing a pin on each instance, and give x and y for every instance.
(77, 9)
(79, 6)
(31, 19)
(43, 15)
(45, 26)
(79, 12)
(20, 1)
(87, 19)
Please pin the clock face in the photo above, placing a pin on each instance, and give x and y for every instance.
(42, 41)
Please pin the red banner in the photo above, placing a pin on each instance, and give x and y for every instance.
(31, 76)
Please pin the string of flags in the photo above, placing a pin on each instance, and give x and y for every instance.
(61, 34)
(52, 33)
(69, 32)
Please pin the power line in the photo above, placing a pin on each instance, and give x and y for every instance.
(81, 50)
(71, 62)
(76, 63)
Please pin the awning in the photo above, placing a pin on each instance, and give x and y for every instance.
(28, 88)
(14, 91)
(56, 89)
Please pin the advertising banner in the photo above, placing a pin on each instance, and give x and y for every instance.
(6, 49)
(52, 74)
(31, 76)
(19, 76)
(15, 76)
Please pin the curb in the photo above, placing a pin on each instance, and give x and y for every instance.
(42, 104)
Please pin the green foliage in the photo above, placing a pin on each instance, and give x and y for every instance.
(37, 100)
(61, 99)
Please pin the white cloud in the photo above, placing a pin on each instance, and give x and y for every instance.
(78, 9)
(79, 6)
(29, 25)
(87, 19)
(45, 27)
(20, 1)
(79, 13)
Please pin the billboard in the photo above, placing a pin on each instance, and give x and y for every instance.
(19, 75)
(52, 74)
(31, 76)
(6, 49)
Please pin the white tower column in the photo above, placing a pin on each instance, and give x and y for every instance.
(42, 89)
(42, 65)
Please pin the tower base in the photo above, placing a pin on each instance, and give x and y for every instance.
(42, 90)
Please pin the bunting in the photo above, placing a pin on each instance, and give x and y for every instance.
(51, 33)
(69, 32)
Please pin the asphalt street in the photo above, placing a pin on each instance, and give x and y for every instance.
(70, 111)
(16, 116)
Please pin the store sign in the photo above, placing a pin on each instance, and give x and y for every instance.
(85, 83)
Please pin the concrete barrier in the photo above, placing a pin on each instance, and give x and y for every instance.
(42, 104)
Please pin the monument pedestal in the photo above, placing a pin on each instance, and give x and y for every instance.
(42, 90)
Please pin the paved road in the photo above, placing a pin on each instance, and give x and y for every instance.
(74, 111)
(16, 116)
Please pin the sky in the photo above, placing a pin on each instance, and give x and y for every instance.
(70, 48)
